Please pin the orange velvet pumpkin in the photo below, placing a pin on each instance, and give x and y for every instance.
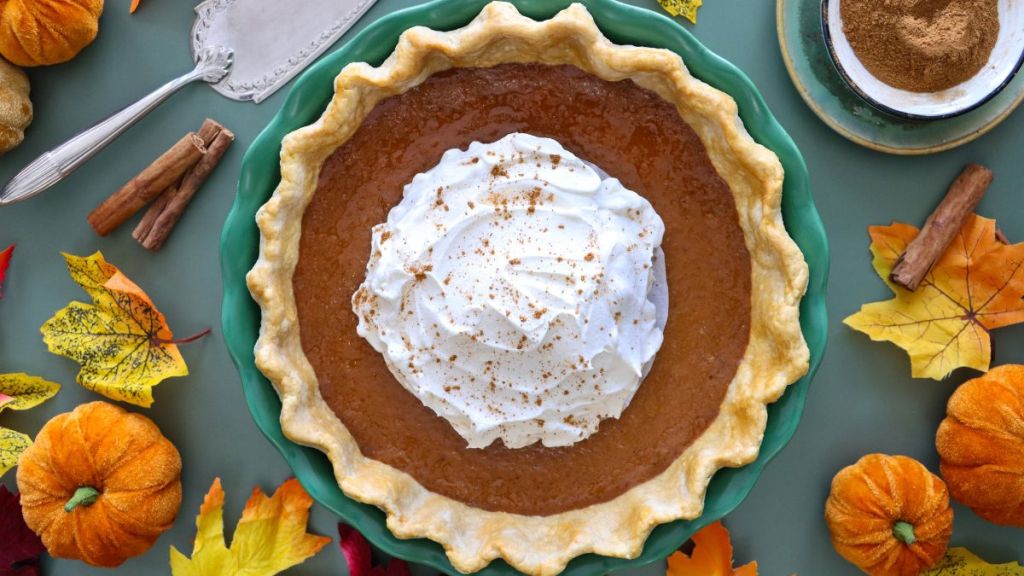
(99, 484)
(43, 32)
(889, 516)
(981, 444)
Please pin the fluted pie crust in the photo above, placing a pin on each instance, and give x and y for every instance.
(775, 357)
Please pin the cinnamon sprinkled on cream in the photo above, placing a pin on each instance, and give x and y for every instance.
(510, 289)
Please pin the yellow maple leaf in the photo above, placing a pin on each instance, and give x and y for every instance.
(20, 392)
(962, 562)
(121, 340)
(685, 8)
(712, 556)
(974, 288)
(270, 537)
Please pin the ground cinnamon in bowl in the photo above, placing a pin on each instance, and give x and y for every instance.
(922, 45)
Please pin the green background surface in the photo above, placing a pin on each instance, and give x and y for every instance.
(863, 399)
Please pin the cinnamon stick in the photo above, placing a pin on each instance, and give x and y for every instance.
(940, 228)
(161, 218)
(209, 130)
(151, 182)
(149, 218)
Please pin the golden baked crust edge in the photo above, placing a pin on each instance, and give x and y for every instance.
(776, 355)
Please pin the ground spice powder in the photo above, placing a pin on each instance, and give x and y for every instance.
(922, 45)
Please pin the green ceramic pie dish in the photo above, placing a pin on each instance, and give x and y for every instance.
(308, 98)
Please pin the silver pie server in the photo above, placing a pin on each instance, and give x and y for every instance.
(54, 165)
(245, 49)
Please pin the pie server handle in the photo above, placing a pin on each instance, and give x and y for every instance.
(55, 165)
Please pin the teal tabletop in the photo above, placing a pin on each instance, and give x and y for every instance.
(862, 400)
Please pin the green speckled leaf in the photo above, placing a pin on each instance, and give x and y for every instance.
(91, 273)
(685, 8)
(21, 391)
(962, 562)
(121, 340)
(12, 444)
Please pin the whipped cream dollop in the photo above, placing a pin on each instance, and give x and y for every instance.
(513, 291)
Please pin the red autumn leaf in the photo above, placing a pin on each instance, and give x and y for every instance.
(359, 556)
(5, 261)
(20, 548)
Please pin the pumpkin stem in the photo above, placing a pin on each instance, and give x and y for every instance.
(904, 532)
(84, 496)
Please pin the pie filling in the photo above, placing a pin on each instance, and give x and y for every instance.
(509, 300)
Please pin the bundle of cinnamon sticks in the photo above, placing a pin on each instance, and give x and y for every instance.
(170, 183)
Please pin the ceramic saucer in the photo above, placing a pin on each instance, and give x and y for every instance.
(819, 83)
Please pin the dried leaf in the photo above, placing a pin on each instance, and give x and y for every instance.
(270, 537)
(121, 340)
(962, 562)
(27, 569)
(21, 548)
(360, 559)
(21, 391)
(685, 8)
(973, 289)
(712, 556)
(5, 262)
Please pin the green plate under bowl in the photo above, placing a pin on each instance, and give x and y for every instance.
(805, 53)
(309, 97)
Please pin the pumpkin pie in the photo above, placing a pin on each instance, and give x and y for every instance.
(528, 289)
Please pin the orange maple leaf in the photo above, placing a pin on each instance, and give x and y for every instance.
(974, 288)
(712, 556)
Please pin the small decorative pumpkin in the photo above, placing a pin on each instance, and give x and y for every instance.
(15, 107)
(981, 444)
(43, 32)
(100, 484)
(889, 516)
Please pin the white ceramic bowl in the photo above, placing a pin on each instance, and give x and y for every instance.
(1003, 64)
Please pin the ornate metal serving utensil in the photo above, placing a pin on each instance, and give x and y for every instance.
(245, 49)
